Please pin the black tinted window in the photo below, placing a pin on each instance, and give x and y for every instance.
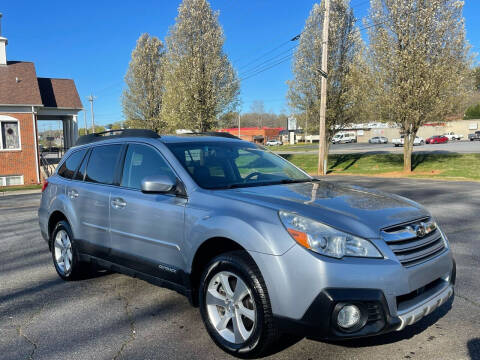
(68, 168)
(142, 161)
(101, 166)
(80, 175)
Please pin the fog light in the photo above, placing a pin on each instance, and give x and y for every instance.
(348, 316)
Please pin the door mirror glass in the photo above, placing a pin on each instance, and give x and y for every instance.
(158, 184)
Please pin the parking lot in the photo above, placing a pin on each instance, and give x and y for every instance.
(113, 316)
(461, 147)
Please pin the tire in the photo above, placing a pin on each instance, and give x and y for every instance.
(259, 334)
(73, 268)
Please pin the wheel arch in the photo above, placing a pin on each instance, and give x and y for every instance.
(209, 249)
(54, 218)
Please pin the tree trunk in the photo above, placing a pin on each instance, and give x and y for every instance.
(407, 153)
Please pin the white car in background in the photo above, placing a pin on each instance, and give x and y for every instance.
(344, 137)
(399, 142)
(273, 142)
(452, 136)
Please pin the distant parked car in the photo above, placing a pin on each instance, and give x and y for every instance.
(378, 140)
(437, 139)
(452, 136)
(475, 136)
(273, 142)
(399, 142)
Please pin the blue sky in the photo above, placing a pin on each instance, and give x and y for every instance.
(91, 41)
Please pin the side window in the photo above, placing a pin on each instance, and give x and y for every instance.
(101, 166)
(142, 161)
(80, 175)
(69, 166)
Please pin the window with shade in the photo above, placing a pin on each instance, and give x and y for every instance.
(9, 135)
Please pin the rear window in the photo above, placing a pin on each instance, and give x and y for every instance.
(102, 163)
(69, 166)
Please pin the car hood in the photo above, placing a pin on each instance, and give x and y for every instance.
(352, 209)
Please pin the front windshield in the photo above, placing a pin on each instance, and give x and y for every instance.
(220, 165)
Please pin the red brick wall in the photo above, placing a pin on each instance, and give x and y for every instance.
(21, 162)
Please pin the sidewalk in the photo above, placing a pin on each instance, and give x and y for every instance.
(19, 192)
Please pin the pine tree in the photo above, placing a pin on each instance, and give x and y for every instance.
(200, 82)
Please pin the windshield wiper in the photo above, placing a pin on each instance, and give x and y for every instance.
(293, 181)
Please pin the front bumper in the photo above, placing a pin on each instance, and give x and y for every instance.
(423, 309)
(319, 321)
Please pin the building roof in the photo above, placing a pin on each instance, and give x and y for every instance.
(19, 85)
(59, 93)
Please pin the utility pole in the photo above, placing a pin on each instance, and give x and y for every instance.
(91, 98)
(322, 144)
(85, 120)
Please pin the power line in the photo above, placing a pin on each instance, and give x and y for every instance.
(295, 38)
(281, 61)
(266, 62)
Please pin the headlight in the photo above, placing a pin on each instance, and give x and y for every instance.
(324, 239)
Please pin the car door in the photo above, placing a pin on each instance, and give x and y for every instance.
(91, 193)
(147, 230)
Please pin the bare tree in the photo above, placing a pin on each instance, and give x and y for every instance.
(258, 108)
(200, 82)
(420, 63)
(142, 97)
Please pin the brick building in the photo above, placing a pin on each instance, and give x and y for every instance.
(26, 99)
(255, 134)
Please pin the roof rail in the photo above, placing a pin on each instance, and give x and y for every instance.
(86, 139)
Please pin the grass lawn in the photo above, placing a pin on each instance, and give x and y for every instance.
(23, 187)
(442, 166)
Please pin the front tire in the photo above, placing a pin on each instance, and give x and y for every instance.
(235, 306)
(65, 254)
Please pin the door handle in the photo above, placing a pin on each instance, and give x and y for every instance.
(118, 203)
(72, 194)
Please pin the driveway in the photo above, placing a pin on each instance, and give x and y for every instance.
(113, 316)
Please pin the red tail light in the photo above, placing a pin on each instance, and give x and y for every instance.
(44, 185)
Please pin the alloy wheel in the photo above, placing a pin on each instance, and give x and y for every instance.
(231, 307)
(63, 252)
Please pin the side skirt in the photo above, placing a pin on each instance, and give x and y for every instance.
(155, 280)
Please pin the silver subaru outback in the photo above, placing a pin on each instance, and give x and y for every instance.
(261, 247)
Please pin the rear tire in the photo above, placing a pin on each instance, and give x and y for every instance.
(244, 327)
(65, 254)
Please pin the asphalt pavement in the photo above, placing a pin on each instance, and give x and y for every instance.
(112, 316)
(460, 147)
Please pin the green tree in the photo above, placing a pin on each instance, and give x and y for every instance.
(420, 62)
(344, 43)
(200, 82)
(142, 97)
(473, 112)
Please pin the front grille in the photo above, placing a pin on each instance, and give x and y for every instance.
(414, 242)
(403, 299)
(374, 312)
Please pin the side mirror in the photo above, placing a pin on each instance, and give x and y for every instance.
(158, 184)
